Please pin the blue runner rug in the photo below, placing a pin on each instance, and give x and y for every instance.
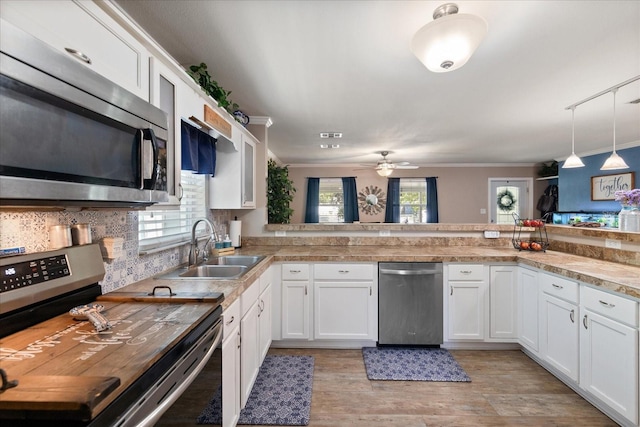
(281, 394)
(412, 364)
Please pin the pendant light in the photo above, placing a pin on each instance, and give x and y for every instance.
(573, 161)
(447, 42)
(614, 161)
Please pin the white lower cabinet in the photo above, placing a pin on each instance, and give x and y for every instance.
(503, 302)
(466, 302)
(329, 301)
(265, 317)
(295, 301)
(231, 365)
(559, 324)
(528, 311)
(249, 351)
(609, 350)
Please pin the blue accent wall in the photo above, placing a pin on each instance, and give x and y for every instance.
(574, 185)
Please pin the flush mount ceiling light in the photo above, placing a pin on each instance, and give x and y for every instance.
(614, 161)
(573, 161)
(384, 170)
(447, 42)
(326, 135)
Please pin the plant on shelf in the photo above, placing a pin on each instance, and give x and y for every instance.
(548, 169)
(200, 74)
(280, 193)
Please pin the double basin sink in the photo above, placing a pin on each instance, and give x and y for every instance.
(227, 267)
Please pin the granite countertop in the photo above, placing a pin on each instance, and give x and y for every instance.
(620, 278)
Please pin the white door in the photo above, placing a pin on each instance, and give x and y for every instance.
(295, 310)
(344, 310)
(503, 291)
(249, 352)
(231, 379)
(528, 301)
(509, 196)
(466, 310)
(265, 323)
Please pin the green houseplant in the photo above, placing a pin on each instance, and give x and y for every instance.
(280, 193)
(200, 74)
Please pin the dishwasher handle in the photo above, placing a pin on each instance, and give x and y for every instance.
(409, 272)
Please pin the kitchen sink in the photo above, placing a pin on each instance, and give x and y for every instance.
(245, 260)
(216, 268)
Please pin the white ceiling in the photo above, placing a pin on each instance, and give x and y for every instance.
(346, 66)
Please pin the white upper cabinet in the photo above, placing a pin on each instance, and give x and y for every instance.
(85, 32)
(233, 186)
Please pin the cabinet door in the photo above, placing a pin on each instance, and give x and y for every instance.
(164, 88)
(466, 310)
(249, 352)
(295, 310)
(528, 303)
(231, 379)
(559, 335)
(265, 322)
(503, 291)
(248, 172)
(609, 363)
(83, 30)
(344, 310)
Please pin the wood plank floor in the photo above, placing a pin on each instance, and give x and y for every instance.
(507, 389)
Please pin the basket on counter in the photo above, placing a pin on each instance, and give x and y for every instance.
(537, 241)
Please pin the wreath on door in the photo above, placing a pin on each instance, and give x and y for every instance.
(506, 201)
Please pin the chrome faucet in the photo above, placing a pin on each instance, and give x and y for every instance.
(193, 250)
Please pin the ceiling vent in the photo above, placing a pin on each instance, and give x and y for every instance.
(325, 135)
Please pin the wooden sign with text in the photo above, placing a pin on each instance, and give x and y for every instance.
(216, 121)
(603, 187)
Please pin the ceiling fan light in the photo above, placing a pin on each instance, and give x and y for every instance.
(447, 43)
(614, 162)
(572, 161)
(384, 171)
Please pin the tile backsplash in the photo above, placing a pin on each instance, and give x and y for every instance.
(30, 229)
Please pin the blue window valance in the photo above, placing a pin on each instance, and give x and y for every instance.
(198, 150)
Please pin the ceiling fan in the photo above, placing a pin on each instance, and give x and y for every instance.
(385, 166)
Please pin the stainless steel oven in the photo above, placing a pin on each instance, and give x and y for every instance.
(67, 372)
(71, 136)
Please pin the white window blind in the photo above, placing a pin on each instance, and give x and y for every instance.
(163, 228)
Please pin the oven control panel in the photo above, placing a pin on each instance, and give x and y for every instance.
(26, 273)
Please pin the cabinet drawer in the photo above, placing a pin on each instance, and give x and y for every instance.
(560, 287)
(609, 305)
(249, 297)
(295, 271)
(231, 318)
(466, 272)
(343, 271)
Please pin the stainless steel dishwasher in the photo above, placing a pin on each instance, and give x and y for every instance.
(410, 303)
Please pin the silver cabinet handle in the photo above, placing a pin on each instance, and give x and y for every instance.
(451, 290)
(79, 55)
(606, 304)
(305, 289)
(572, 316)
(343, 271)
(230, 320)
(370, 291)
(294, 271)
(239, 339)
(557, 286)
(465, 271)
(584, 322)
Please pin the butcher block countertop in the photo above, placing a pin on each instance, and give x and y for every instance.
(68, 370)
(610, 276)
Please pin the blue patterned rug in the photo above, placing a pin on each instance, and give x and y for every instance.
(412, 364)
(280, 396)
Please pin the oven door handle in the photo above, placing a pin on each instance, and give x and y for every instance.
(155, 415)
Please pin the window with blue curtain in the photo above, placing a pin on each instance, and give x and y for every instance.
(311, 214)
(412, 200)
(198, 150)
(350, 200)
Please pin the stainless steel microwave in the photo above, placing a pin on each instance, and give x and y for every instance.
(70, 137)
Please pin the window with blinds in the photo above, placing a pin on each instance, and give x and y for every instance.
(163, 228)
(413, 200)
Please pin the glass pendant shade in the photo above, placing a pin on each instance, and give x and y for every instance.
(614, 161)
(573, 161)
(384, 171)
(447, 42)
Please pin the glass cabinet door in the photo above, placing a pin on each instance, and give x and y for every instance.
(248, 172)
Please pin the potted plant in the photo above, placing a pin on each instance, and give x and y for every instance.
(280, 193)
(200, 74)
